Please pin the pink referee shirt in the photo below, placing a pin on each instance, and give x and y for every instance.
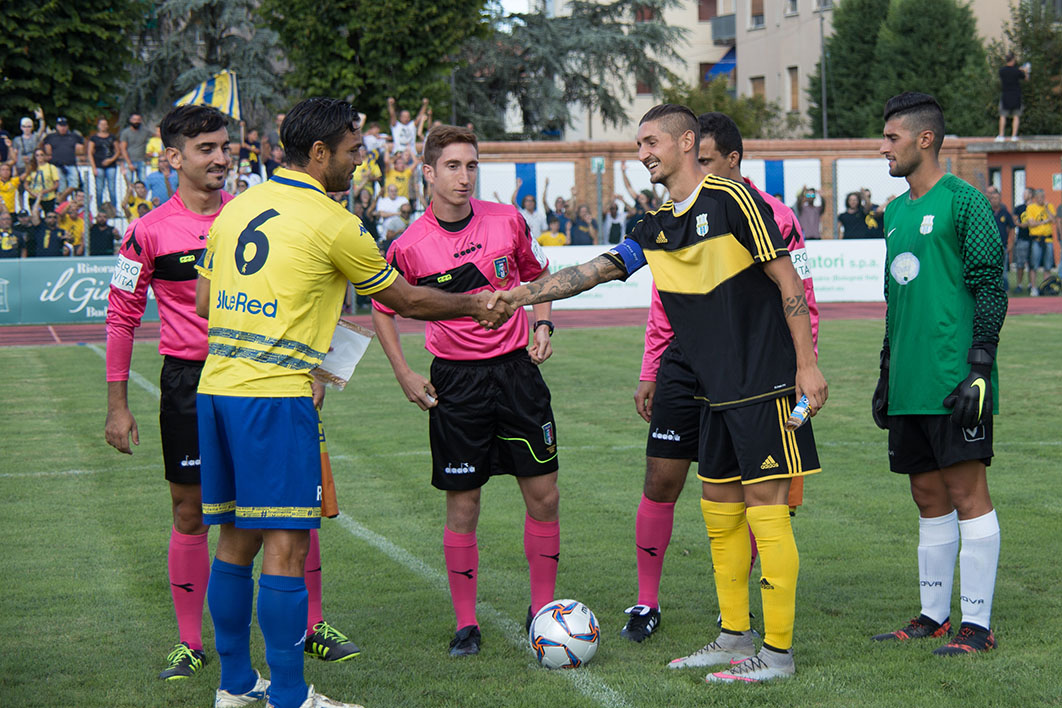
(159, 250)
(658, 332)
(494, 251)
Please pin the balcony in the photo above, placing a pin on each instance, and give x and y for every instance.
(724, 29)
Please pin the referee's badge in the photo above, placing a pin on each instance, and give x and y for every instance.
(501, 268)
(927, 224)
(547, 433)
(702, 224)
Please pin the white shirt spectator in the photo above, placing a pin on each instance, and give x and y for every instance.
(536, 221)
(404, 137)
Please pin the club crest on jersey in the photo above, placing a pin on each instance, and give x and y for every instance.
(547, 433)
(927, 224)
(702, 224)
(905, 267)
(501, 268)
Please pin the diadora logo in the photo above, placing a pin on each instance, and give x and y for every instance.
(186, 462)
(669, 435)
(769, 463)
(187, 259)
(444, 278)
(702, 224)
(241, 302)
(661, 238)
(462, 468)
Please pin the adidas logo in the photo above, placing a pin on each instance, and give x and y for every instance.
(661, 238)
(769, 463)
(765, 585)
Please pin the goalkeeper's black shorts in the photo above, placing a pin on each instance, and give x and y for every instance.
(923, 443)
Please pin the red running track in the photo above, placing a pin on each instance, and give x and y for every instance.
(35, 335)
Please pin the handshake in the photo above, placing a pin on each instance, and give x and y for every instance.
(493, 309)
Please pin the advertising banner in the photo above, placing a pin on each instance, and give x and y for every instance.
(58, 290)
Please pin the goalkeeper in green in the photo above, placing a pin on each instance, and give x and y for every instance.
(938, 389)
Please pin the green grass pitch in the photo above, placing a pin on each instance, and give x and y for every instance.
(86, 618)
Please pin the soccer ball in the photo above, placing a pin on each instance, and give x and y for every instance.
(564, 635)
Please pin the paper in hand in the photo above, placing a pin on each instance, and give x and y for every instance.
(349, 343)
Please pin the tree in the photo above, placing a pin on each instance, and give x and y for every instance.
(374, 50)
(68, 58)
(1035, 36)
(932, 46)
(755, 117)
(850, 60)
(546, 66)
(185, 42)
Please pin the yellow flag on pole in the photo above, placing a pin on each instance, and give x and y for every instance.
(221, 92)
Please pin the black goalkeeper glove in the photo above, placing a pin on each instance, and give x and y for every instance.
(973, 397)
(879, 403)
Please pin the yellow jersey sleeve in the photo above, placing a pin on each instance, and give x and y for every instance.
(355, 253)
(205, 265)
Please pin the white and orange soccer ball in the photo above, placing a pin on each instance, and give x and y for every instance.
(564, 635)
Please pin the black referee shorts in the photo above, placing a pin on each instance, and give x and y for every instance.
(177, 422)
(493, 417)
(750, 444)
(676, 420)
(923, 443)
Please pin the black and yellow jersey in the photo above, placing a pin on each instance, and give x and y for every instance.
(727, 314)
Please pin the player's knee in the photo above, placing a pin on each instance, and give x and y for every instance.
(544, 505)
(664, 479)
(188, 516)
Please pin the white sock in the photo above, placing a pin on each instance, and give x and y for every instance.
(977, 568)
(938, 546)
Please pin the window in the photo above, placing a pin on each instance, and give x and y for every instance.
(758, 86)
(791, 7)
(1018, 177)
(756, 19)
(823, 4)
(995, 177)
(706, 10)
(794, 88)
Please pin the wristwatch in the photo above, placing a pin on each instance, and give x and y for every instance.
(539, 323)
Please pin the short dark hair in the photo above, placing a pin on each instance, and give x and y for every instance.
(921, 111)
(676, 120)
(140, 182)
(442, 135)
(724, 131)
(185, 122)
(326, 119)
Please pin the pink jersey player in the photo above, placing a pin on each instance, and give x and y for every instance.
(658, 332)
(494, 251)
(159, 250)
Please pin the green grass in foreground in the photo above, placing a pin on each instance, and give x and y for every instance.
(86, 618)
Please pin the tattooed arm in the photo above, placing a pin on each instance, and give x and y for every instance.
(809, 380)
(564, 283)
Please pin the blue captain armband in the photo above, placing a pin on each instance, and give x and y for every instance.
(628, 255)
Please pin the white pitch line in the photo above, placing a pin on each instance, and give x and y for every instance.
(133, 376)
(74, 473)
(585, 682)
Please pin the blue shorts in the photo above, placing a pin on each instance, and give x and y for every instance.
(261, 462)
(1043, 254)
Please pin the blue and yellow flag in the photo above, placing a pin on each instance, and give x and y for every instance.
(221, 92)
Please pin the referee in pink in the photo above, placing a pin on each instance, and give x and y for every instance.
(488, 407)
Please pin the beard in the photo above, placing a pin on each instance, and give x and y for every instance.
(336, 176)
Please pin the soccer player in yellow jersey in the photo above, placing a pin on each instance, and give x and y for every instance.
(273, 277)
(739, 311)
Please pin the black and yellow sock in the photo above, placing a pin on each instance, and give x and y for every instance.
(728, 533)
(780, 565)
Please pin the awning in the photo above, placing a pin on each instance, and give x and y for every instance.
(724, 65)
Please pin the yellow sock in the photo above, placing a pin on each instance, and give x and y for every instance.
(780, 565)
(728, 533)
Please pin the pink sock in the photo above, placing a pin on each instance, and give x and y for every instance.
(462, 569)
(542, 548)
(313, 582)
(652, 534)
(189, 564)
(755, 550)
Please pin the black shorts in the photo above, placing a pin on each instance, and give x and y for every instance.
(923, 443)
(177, 422)
(493, 417)
(750, 444)
(676, 421)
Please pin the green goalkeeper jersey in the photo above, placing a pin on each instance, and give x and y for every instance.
(943, 290)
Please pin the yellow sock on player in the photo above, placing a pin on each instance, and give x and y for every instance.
(780, 565)
(728, 533)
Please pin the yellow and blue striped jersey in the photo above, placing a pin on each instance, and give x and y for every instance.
(278, 258)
